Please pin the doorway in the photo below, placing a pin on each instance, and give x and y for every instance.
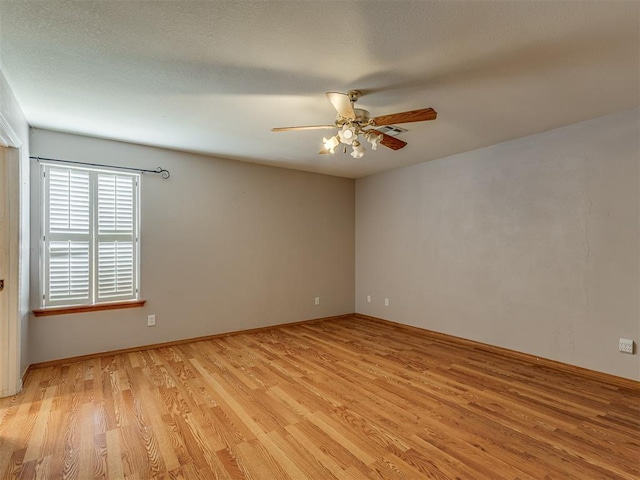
(9, 258)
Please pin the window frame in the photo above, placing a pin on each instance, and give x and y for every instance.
(93, 302)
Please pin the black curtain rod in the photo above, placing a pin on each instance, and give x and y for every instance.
(165, 173)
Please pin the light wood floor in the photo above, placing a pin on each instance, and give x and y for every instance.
(350, 398)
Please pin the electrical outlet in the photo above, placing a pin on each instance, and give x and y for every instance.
(368, 298)
(317, 301)
(625, 345)
(386, 302)
(151, 321)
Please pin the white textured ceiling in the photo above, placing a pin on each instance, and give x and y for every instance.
(214, 76)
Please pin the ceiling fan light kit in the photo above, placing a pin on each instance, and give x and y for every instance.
(355, 122)
(330, 144)
(358, 150)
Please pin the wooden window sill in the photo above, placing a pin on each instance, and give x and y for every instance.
(43, 312)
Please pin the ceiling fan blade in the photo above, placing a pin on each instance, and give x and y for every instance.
(342, 104)
(310, 127)
(405, 117)
(391, 142)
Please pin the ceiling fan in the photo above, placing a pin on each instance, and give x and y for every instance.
(352, 122)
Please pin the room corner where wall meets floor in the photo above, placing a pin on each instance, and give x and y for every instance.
(531, 245)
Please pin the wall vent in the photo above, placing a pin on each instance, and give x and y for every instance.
(391, 130)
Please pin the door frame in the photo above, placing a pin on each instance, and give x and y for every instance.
(10, 195)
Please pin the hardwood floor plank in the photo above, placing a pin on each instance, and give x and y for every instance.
(85, 444)
(258, 464)
(334, 447)
(347, 398)
(162, 436)
(318, 452)
(366, 426)
(311, 467)
(342, 436)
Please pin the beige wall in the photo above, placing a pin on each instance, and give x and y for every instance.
(532, 245)
(225, 246)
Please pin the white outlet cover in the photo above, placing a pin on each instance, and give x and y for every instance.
(625, 345)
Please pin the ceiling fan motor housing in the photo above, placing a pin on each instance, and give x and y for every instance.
(362, 116)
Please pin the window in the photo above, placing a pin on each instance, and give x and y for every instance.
(90, 242)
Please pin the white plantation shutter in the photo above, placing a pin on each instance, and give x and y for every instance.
(69, 265)
(90, 241)
(115, 270)
(68, 237)
(116, 253)
(69, 201)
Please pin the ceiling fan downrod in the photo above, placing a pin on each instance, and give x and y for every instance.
(354, 95)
